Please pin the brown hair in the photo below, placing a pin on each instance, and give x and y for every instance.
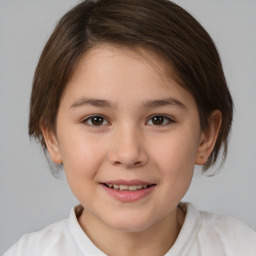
(158, 25)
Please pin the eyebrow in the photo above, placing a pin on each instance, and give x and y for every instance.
(147, 104)
(94, 102)
(164, 102)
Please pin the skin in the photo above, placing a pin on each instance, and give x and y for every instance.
(129, 145)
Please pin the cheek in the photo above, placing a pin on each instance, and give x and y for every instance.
(175, 159)
(82, 159)
(175, 153)
(81, 155)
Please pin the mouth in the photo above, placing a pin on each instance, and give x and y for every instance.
(132, 188)
(128, 191)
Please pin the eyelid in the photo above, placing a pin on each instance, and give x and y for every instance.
(106, 122)
(169, 118)
(87, 118)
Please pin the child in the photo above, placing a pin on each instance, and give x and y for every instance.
(128, 96)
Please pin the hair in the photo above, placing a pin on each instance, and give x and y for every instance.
(160, 26)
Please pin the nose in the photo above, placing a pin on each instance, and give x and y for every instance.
(128, 149)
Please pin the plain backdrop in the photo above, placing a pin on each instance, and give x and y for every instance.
(31, 198)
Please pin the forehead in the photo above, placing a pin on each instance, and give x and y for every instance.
(110, 69)
(107, 52)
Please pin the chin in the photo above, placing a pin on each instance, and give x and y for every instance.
(129, 223)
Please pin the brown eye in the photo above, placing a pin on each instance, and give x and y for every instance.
(96, 121)
(159, 120)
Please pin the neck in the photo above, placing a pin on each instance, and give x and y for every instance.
(155, 240)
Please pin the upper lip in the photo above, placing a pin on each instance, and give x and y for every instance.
(127, 182)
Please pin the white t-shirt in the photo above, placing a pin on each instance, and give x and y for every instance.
(202, 234)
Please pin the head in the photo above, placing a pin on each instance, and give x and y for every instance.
(159, 27)
(130, 94)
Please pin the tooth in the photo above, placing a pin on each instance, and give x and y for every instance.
(126, 187)
(123, 187)
(132, 188)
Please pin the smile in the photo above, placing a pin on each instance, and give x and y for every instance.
(128, 191)
(127, 187)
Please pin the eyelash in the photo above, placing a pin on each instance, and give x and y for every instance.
(90, 119)
(166, 121)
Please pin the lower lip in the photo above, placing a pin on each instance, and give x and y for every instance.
(128, 196)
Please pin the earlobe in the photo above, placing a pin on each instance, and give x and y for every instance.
(208, 138)
(52, 145)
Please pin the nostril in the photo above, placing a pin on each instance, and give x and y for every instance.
(117, 163)
(135, 164)
(128, 158)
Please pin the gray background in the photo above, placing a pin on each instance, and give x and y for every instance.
(31, 198)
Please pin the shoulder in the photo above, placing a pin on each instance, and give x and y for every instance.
(51, 240)
(225, 225)
(235, 237)
(37, 241)
(208, 234)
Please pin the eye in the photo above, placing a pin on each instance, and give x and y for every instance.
(159, 120)
(95, 121)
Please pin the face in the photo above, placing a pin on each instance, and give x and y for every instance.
(128, 137)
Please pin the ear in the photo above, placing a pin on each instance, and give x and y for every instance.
(208, 138)
(52, 145)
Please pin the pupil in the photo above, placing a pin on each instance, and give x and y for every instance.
(97, 120)
(158, 120)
